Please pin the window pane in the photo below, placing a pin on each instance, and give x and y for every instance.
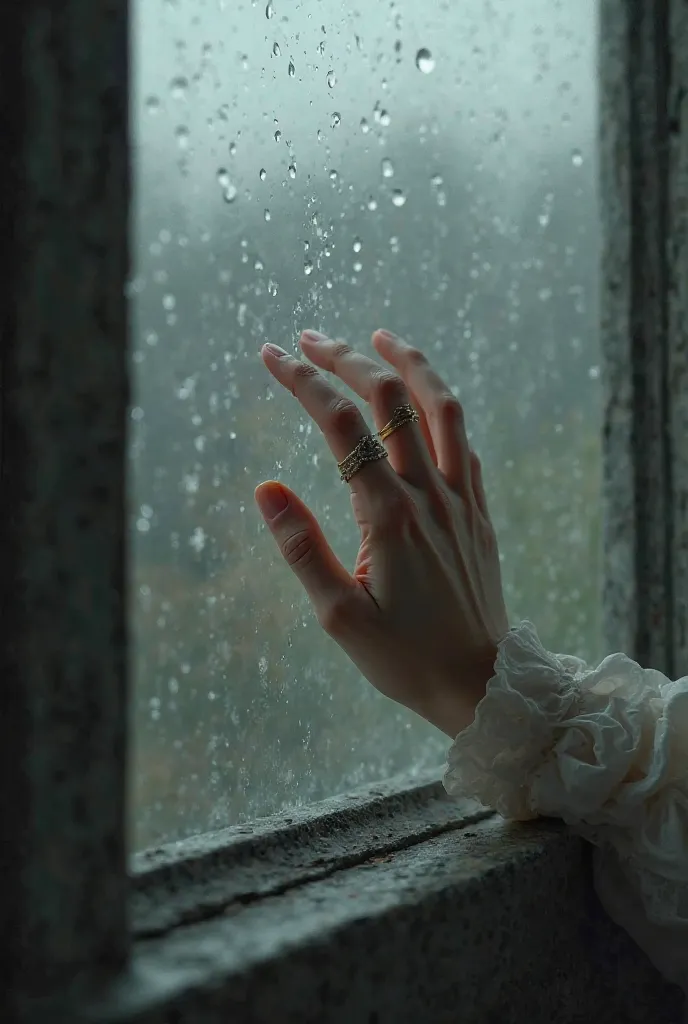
(426, 166)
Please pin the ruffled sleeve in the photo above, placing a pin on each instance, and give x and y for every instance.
(606, 750)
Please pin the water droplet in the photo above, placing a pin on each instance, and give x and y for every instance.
(365, 127)
(232, 148)
(182, 136)
(168, 301)
(276, 52)
(577, 158)
(229, 190)
(270, 10)
(278, 135)
(291, 69)
(387, 168)
(267, 215)
(178, 86)
(262, 174)
(358, 244)
(273, 287)
(292, 170)
(331, 79)
(358, 267)
(333, 175)
(321, 48)
(153, 105)
(437, 180)
(425, 61)
(336, 119)
(308, 267)
(398, 197)
(372, 203)
(385, 119)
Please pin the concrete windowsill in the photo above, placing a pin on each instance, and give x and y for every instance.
(390, 905)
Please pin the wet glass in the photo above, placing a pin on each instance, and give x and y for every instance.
(428, 167)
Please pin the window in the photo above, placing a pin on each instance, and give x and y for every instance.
(425, 166)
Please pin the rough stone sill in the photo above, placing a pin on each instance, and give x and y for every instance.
(390, 905)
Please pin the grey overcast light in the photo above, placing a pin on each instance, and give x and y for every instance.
(422, 165)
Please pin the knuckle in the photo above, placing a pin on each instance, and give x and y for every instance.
(304, 371)
(398, 515)
(340, 349)
(344, 416)
(442, 508)
(450, 410)
(416, 359)
(388, 388)
(298, 549)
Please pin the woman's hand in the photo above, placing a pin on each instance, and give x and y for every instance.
(423, 611)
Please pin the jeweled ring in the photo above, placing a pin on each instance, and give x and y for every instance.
(368, 449)
(402, 415)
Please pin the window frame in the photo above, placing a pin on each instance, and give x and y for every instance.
(65, 387)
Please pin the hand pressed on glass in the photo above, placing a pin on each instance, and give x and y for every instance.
(423, 611)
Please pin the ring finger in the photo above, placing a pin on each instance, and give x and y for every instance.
(384, 391)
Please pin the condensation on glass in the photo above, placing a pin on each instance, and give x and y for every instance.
(428, 167)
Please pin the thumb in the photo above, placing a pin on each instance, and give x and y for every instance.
(303, 545)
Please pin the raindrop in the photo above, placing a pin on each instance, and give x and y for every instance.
(336, 119)
(232, 148)
(292, 170)
(387, 168)
(229, 190)
(358, 245)
(278, 135)
(308, 267)
(153, 105)
(385, 119)
(321, 48)
(358, 267)
(273, 287)
(262, 174)
(577, 158)
(267, 215)
(291, 69)
(365, 127)
(182, 136)
(437, 180)
(425, 61)
(179, 85)
(276, 52)
(333, 175)
(331, 79)
(372, 203)
(270, 10)
(398, 197)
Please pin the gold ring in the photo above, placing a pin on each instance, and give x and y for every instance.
(368, 449)
(402, 415)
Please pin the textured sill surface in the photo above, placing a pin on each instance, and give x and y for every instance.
(481, 922)
(211, 874)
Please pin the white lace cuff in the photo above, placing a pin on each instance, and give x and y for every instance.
(606, 750)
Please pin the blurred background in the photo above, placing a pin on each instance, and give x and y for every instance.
(427, 166)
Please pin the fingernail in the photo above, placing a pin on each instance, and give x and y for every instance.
(276, 350)
(271, 500)
(387, 335)
(314, 336)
